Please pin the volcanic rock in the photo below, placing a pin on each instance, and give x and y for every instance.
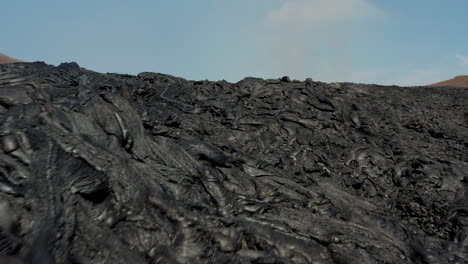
(112, 168)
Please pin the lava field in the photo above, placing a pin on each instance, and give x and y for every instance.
(114, 168)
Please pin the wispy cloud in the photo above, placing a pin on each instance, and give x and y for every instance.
(463, 60)
(433, 74)
(317, 12)
(423, 76)
(413, 77)
(368, 76)
(306, 37)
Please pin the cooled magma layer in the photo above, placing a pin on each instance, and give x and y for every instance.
(112, 168)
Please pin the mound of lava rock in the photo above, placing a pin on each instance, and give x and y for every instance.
(110, 168)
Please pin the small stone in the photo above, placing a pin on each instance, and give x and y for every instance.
(9, 143)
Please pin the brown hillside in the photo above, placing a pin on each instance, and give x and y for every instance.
(459, 81)
(6, 59)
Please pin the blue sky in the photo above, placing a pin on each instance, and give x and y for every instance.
(373, 41)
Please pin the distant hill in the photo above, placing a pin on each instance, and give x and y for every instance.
(4, 59)
(459, 81)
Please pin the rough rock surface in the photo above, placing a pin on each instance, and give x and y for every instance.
(109, 168)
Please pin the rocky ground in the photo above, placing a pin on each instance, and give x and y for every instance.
(110, 168)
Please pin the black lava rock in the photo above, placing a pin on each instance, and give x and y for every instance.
(110, 168)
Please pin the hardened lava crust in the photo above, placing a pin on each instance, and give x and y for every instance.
(113, 168)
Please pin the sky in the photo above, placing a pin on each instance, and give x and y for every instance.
(397, 42)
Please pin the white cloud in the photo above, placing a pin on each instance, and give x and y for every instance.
(463, 59)
(308, 37)
(318, 12)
